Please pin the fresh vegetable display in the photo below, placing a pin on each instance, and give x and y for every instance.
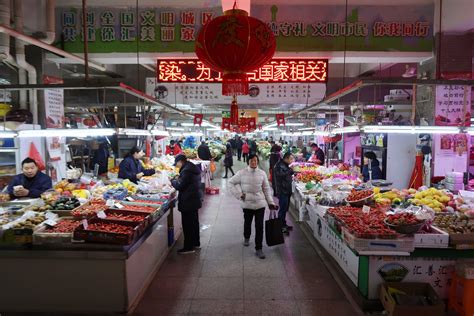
(359, 195)
(454, 224)
(63, 203)
(126, 217)
(139, 208)
(63, 226)
(436, 199)
(89, 209)
(363, 225)
(306, 176)
(403, 219)
(111, 228)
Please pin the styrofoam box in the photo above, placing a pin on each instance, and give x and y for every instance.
(440, 239)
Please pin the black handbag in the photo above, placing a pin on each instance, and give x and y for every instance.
(273, 230)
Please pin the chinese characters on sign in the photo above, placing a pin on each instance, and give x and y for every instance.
(277, 70)
(453, 105)
(259, 93)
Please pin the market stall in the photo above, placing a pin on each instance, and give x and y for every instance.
(112, 233)
(376, 235)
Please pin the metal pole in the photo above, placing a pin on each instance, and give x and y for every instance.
(86, 39)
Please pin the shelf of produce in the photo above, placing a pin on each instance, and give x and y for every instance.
(70, 281)
(362, 273)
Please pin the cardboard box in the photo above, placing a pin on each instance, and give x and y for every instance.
(437, 239)
(415, 292)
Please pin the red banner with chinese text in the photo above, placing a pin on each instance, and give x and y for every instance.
(280, 118)
(198, 119)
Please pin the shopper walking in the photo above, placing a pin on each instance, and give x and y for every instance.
(275, 156)
(283, 176)
(233, 144)
(250, 185)
(239, 145)
(228, 160)
(245, 152)
(189, 202)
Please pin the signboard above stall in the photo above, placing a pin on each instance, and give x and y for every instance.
(302, 28)
(277, 70)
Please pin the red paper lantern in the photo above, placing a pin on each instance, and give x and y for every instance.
(235, 44)
(234, 113)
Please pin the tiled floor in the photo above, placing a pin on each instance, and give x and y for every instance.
(227, 278)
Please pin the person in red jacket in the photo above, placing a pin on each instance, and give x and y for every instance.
(245, 151)
(173, 149)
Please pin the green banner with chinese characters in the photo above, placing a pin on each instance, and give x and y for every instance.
(296, 28)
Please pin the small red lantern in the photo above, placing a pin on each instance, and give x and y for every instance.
(234, 113)
(235, 44)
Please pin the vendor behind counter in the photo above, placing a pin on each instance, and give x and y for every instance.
(131, 167)
(31, 183)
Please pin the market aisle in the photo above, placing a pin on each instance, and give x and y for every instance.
(227, 278)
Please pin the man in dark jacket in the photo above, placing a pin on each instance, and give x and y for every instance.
(31, 183)
(203, 152)
(284, 178)
(275, 156)
(189, 202)
(239, 144)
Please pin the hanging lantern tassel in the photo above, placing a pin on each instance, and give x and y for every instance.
(235, 84)
(234, 113)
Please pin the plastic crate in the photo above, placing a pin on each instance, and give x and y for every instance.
(106, 237)
(141, 225)
(41, 237)
(461, 295)
(404, 244)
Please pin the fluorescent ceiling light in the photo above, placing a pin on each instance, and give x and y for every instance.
(307, 133)
(270, 129)
(133, 132)
(347, 129)
(7, 134)
(187, 124)
(320, 133)
(214, 129)
(175, 128)
(271, 125)
(157, 132)
(64, 132)
(400, 129)
(307, 129)
(294, 124)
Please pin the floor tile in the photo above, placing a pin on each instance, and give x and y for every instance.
(267, 288)
(271, 307)
(326, 307)
(222, 268)
(160, 307)
(175, 288)
(270, 267)
(224, 252)
(219, 288)
(213, 307)
(313, 288)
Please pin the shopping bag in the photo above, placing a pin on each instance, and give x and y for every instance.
(273, 230)
(212, 167)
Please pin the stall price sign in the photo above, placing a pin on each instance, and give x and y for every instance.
(453, 105)
(277, 70)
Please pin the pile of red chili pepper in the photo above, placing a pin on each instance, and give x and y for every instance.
(359, 195)
(88, 209)
(148, 201)
(139, 208)
(363, 225)
(63, 226)
(111, 228)
(126, 217)
(403, 219)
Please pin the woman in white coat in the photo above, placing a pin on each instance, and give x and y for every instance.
(250, 185)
